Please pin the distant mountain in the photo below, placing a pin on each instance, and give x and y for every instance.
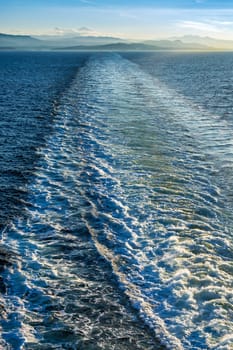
(114, 47)
(148, 45)
(177, 45)
(8, 41)
(18, 42)
(58, 41)
(208, 41)
(27, 42)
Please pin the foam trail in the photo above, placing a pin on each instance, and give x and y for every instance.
(130, 163)
(173, 236)
(60, 292)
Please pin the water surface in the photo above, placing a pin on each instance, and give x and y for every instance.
(127, 232)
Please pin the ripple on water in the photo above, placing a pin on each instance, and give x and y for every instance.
(114, 187)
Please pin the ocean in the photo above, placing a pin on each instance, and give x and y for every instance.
(116, 207)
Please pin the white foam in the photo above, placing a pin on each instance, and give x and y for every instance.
(145, 204)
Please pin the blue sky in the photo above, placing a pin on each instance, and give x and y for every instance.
(125, 18)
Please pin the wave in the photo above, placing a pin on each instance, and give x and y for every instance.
(136, 165)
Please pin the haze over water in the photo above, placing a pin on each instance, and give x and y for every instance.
(116, 175)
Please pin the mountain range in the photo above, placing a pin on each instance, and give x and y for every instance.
(8, 41)
(27, 42)
(208, 41)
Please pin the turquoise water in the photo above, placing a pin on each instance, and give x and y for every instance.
(126, 240)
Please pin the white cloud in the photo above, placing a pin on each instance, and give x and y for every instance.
(221, 23)
(85, 29)
(74, 31)
(200, 26)
(128, 14)
(88, 2)
(82, 31)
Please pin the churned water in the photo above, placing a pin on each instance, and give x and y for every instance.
(120, 228)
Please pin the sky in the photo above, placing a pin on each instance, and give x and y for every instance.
(130, 19)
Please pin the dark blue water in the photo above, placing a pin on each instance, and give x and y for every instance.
(31, 84)
(116, 212)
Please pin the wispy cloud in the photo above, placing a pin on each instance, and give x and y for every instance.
(75, 31)
(87, 2)
(200, 26)
(128, 14)
(221, 23)
(82, 31)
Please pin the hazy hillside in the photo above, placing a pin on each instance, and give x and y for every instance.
(115, 47)
(178, 44)
(215, 43)
(27, 42)
(52, 42)
(58, 41)
(19, 41)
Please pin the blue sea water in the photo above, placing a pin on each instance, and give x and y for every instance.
(116, 213)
